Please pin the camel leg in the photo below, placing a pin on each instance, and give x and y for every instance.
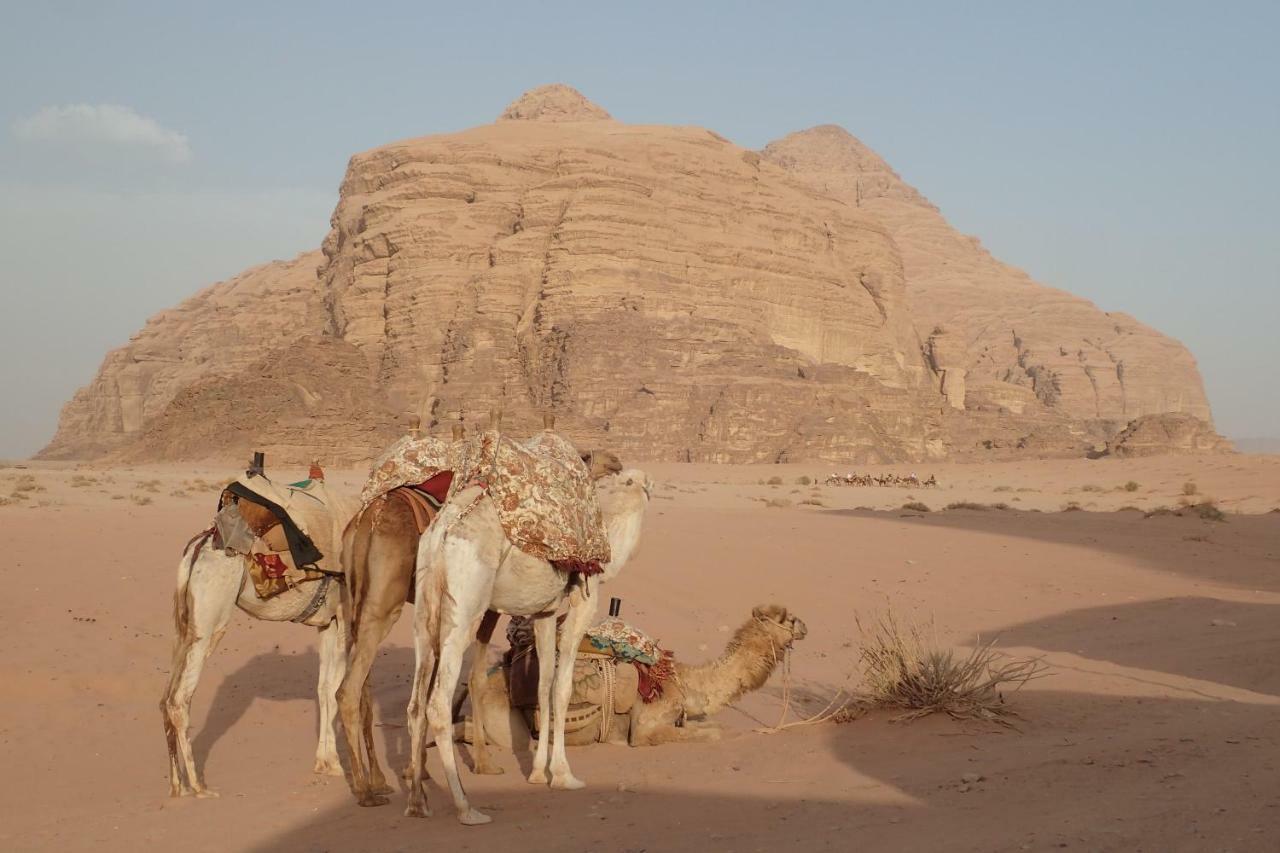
(333, 663)
(575, 625)
(208, 596)
(544, 641)
(424, 664)
(481, 760)
(457, 632)
(356, 710)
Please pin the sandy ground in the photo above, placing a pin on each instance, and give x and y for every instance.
(1156, 730)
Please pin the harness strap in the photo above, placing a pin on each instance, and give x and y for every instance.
(322, 591)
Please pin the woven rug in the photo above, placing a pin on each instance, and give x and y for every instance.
(408, 462)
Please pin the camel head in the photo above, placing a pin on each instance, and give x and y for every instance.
(601, 463)
(782, 625)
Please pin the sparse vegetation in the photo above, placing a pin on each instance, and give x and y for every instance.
(1091, 487)
(1129, 508)
(775, 481)
(1209, 512)
(904, 668)
(916, 506)
(812, 502)
(967, 505)
(149, 485)
(1132, 486)
(140, 500)
(1190, 488)
(26, 483)
(81, 481)
(803, 480)
(1072, 506)
(1003, 489)
(777, 503)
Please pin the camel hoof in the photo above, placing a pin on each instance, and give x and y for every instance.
(538, 777)
(382, 788)
(373, 799)
(328, 768)
(207, 794)
(416, 810)
(488, 770)
(471, 817)
(568, 782)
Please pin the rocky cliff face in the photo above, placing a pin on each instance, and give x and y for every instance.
(1010, 343)
(663, 291)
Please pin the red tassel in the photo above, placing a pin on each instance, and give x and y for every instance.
(316, 472)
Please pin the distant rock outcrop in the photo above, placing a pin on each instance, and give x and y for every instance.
(666, 293)
(1153, 435)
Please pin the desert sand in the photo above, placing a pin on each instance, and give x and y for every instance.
(1156, 729)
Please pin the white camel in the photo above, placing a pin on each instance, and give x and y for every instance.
(466, 567)
(211, 585)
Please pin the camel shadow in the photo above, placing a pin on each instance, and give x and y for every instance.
(273, 676)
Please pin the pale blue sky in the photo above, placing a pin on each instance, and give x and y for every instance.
(1124, 151)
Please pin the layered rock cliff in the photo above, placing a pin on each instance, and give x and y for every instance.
(665, 292)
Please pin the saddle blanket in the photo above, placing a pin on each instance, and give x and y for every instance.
(544, 496)
(411, 461)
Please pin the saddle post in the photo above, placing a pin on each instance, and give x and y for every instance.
(415, 426)
(459, 432)
(548, 421)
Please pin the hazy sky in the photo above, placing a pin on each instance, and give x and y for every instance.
(1124, 151)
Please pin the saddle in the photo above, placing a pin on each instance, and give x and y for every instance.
(288, 534)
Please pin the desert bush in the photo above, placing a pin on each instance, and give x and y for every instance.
(80, 480)
(967, 505)
(917, 506)
(149, 485)
(140, 500)
(1129, 508)
(1208, 511)
(904, 668)
(1072, 506)
(777, 503)
(775, 481)
(1131, 486)
(1190, 488)
(812, 502)
(1090, 487)
(1001, 505)
(26, 483)
(1003, 489)
(803, 480)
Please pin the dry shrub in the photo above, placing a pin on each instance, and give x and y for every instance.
(914, 505)
(1208, 511)
(777, 503)
(812, 502)
(6, 501)
(967, 505)
(26, 483)
(1129, 508)
(1160, 510)
(149, 485)
(1090, 487)
(177, 493)
(80, 481)
(140, 500)
(775, 481)
(1190, 488)
(904, 668)
(1072, 506)
(1131, 486)
(803, 480)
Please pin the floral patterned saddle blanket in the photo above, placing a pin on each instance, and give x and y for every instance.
(544, 496)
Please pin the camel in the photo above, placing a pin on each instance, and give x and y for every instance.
(466, 567)
(692, 695)
(380, 547)
(211, 584)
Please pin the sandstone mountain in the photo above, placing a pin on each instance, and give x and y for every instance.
(666, 293)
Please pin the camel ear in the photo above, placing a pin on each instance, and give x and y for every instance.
(772, 612)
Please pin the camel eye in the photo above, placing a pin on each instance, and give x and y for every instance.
(630, 481)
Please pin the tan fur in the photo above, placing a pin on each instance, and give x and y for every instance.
(695, 692)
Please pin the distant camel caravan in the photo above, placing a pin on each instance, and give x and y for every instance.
(614, 707)
(853, 479)
(245, 553)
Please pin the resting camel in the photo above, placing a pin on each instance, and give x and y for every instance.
(211, 585)
(694, 693)
(466, 566)
(380, 547)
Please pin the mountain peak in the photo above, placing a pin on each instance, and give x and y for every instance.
(555, 102)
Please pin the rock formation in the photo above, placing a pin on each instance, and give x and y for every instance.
(1151, 435)
(663, 291)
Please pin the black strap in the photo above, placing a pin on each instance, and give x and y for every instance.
(303, 550)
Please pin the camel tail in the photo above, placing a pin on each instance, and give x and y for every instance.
(356, 540)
